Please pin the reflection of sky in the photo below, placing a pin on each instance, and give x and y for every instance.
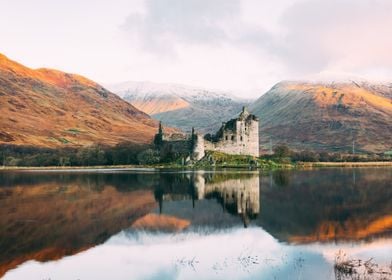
(232, 254)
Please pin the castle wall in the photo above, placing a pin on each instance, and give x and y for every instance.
(242, 140)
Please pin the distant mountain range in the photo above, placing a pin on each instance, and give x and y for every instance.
(330, 116)
(323, 116)
(49, 108)
(182, 106)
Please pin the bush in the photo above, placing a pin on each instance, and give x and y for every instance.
(148, 156)
(307, 156)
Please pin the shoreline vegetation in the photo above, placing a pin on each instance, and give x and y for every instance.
(348, 268)
(299, 165)
(345, 164)
(131, 156)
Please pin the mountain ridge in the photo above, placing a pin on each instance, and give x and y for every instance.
(50, 108)
(327, 116)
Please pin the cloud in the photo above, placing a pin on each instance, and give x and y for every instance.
(295, 38)
(227, 44)
(345, 35)
(166, 24)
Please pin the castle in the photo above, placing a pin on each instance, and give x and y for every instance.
(239, 136)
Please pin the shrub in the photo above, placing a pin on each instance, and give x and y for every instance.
(148, 156)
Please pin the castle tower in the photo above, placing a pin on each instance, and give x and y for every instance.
(197, 146)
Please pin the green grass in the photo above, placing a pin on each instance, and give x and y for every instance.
(64, 140)
(219, 159)
(61, 140)
(73, 131)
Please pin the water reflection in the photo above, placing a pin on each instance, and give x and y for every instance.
(239, 194)
(328, 205)
(45, 216)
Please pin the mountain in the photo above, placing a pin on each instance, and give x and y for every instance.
(49, 108)
(328, 116)
(181, 106)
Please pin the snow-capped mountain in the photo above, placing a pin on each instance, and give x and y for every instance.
(180, 105)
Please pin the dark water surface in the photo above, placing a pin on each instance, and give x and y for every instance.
(227, 224)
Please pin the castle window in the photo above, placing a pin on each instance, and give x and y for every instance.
(227, 137)
(232, 137)
(241, 138)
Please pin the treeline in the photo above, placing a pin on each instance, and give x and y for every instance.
(121, 154)
(130, 153)
(284, 153)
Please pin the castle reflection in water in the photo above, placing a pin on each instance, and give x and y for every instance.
(238, 195)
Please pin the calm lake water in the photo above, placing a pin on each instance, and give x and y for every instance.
(227, 224)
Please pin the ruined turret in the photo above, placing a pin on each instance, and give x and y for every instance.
(197, 146)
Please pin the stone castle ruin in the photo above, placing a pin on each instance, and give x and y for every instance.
(239, 136)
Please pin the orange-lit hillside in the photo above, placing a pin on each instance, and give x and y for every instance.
(50, 108)
(160, 104)
(327, 116)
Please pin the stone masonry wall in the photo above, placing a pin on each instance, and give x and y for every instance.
(243, 140)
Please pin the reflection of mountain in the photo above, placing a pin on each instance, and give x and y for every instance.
(327, 205)
(237, 193)
(51, 219)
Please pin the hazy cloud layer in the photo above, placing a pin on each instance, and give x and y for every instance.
(168, 23)
(341, 35)
(228, 44)
(313, 36)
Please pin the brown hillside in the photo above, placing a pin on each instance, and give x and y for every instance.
(49, 108)
(323, 116)
(159, 104)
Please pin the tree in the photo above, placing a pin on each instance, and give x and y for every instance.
(282, 151)
(148, 156)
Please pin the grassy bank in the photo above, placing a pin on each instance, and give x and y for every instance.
(344, 164)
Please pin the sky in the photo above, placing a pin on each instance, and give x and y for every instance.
(245, 46)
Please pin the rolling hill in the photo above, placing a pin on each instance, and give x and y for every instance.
(49, 108)
(181, 106)
(327, 116)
